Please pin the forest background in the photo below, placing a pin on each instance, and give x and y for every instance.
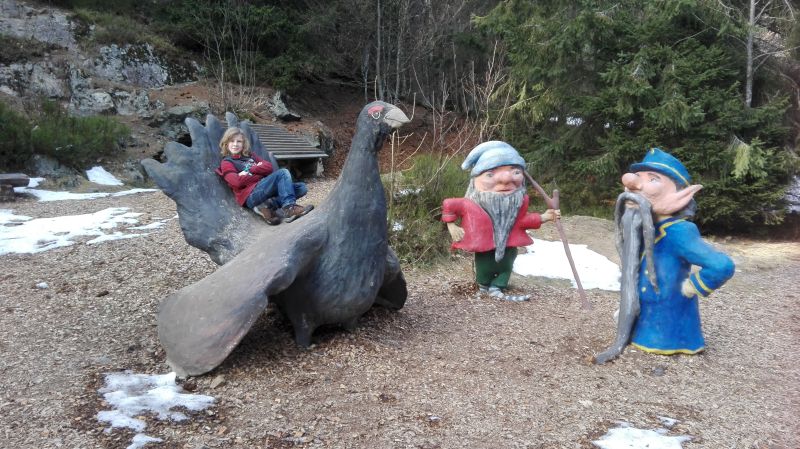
(582, 89)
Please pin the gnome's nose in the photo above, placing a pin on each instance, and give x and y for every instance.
(632, 182)
(505, 177)
(505, 181)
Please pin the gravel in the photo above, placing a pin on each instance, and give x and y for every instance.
(450, 370)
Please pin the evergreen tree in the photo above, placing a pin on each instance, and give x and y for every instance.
(597, 83)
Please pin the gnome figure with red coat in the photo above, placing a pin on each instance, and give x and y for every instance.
(494, 215)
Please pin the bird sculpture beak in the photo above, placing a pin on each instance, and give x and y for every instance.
(395, 118)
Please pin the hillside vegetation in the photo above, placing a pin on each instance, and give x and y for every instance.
(582, 90)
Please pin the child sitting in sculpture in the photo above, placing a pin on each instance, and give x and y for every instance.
(256, 183)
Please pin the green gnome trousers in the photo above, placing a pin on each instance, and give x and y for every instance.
(491, 273)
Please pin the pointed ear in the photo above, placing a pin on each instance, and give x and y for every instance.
(683, 197)
(673, 202)
(692, 189)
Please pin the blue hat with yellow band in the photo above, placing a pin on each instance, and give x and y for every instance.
(660, 161)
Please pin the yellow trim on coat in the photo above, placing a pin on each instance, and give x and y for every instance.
(662, 229)
(661, 234)
(676, 172)
(667, 351)
(701, 283)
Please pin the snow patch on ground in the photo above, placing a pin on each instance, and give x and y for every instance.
(24, 234)
(21, 234)
(99, 175)
(132, 395)
(49, 195)
(627, 437)
(548, 259)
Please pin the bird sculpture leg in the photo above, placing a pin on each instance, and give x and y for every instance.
(302, 332)
(350, 325)
(393, 292)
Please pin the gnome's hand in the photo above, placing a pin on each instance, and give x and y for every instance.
(551, 214)
(687, 289)
(456, 232)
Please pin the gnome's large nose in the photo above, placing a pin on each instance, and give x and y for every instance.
(506, 181)
(632, 182)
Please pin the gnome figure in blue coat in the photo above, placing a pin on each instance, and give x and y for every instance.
(659, 310)
(494, 215)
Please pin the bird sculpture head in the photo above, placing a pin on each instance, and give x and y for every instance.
(384, 116)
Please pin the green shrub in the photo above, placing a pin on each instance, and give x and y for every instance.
(120, 29)
(415, 200)
(20, 50)
(74, 141)
(15, 139)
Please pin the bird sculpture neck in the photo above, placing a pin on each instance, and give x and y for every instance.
(360, 178)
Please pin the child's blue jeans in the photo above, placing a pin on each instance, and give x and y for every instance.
(279, 187)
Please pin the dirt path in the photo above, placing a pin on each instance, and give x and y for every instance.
(447, 371)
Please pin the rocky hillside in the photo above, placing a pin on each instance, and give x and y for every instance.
(47, 53)
(45, 56)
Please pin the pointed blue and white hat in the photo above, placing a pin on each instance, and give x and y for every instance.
(489, 155)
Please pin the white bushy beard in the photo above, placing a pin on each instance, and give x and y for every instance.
(503, 209)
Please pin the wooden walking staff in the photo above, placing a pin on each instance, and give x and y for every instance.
(552, 203)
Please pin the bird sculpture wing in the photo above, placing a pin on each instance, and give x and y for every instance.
(200, 324)
(210, 218)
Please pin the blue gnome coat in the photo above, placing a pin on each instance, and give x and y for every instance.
(669, 322)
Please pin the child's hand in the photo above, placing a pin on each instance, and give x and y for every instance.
(244, 173)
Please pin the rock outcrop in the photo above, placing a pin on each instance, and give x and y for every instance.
(115, 81)
(42, 24)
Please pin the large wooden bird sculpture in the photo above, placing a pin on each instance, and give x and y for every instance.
(328, 268)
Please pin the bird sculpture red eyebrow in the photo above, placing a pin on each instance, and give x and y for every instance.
(375, 111)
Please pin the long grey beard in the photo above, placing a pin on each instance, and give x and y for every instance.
(646, 236)
(503, 209)
(634, 229)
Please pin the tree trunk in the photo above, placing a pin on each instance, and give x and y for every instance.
(378, 74)
(365, 70)
(398, 52)
(751, 29)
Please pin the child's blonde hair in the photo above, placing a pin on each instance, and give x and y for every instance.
(230, 133)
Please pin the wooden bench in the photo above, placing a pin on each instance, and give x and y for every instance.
(10, 180)
(290, 148)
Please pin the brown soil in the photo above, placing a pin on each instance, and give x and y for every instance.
(450, 370)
